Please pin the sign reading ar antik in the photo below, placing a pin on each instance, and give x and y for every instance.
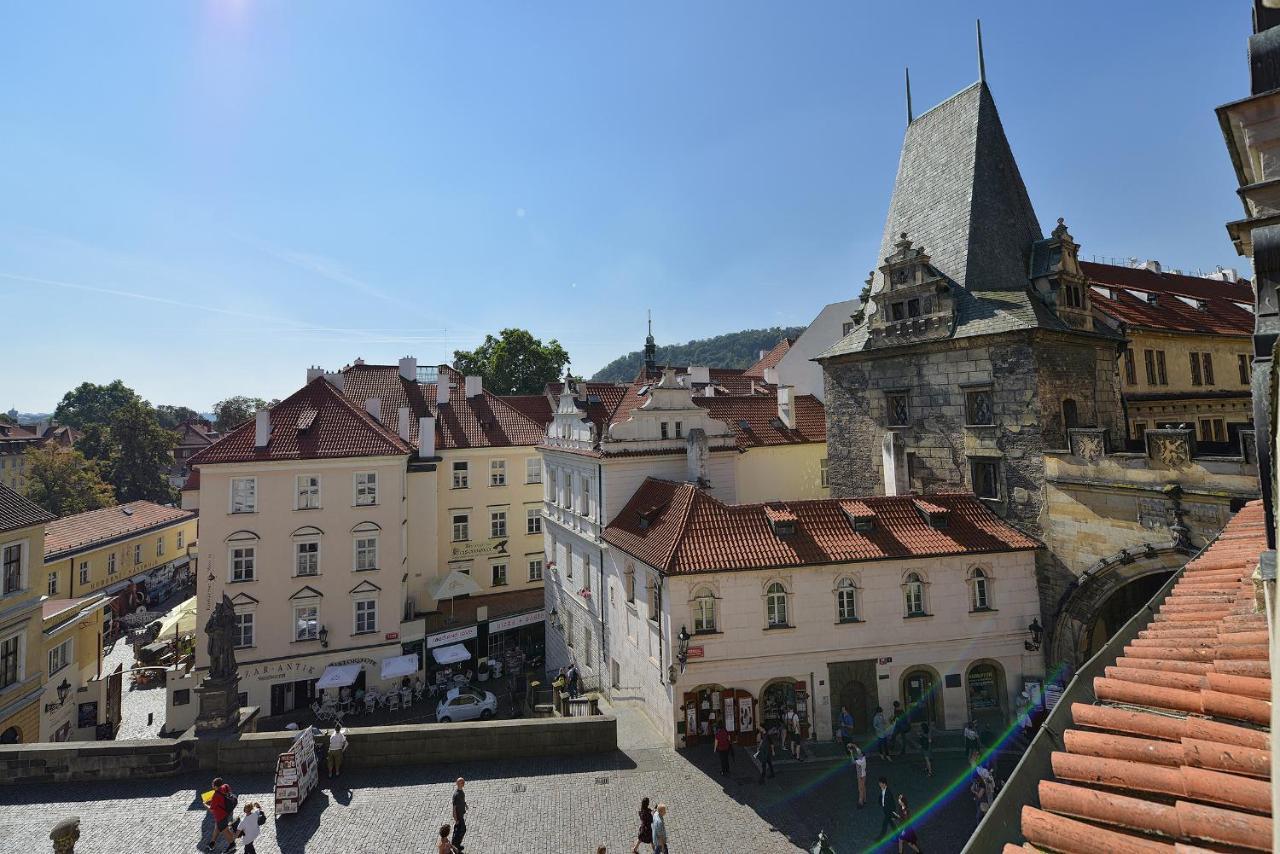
(479, 548)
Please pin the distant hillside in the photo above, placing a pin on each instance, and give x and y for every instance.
(731, 350)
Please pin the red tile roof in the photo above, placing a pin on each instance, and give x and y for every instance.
(17, 512)
(755, 419)
(770, 359)
(677, 528)
(1177, 751)
(535, 407)
(97, 527)
(1221, 314)
(335, 428)
(192, 482)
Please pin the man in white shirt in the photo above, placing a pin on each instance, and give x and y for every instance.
(250, 826)
(337, 744)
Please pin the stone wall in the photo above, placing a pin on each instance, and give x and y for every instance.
(78, 761)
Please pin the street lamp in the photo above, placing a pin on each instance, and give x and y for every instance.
(555, 619)
(63, 690)
(324, 636)
(1037, 632)
(682, 650)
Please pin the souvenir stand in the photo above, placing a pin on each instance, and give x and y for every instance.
(296, 773)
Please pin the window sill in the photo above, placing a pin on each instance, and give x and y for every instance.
(498, 584)
(707, 633)
(777, 628)
(242, 512)
(361, 634)
(305, 640)
(464, 486)
(301, 509)
(359, 506)
(496, 485)
(978, 426)
(370, 569)
(241, 580)
(849, 622)
(983, 610)
(920, 616)
(307, 575)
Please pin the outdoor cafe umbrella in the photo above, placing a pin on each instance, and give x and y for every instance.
(456, 583)
(181, 620)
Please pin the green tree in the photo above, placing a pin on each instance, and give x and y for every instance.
(731, 350)
(96, 444)
(63, 482)
(91, 403)
(142, 455)
(234, 411)
(516, 363)
(171, 416)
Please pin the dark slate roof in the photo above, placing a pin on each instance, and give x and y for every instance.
(17, 512)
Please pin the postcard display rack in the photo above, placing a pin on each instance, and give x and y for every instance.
(296, 773)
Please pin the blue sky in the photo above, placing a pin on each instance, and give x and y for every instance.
(203, 198)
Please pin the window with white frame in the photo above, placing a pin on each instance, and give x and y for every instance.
(499, 574)
(535, 569)
(137, 553)
(979, 590)
(533, 520)
(242, 629)
(775, 597)
(160, 546)
(588, 498)
(824, 472)
(461, 527)
(307, 492)
(366, 488)
(913, 595)
(306, 557)
(12, 658)
(655, 600)
(366, 615)
(84, 572)
(181, 540)
(111, 563)
(847, 601)
(243, 562)
(497, 523)
(533, 470)
(53, 584)
(366, 552)
(60, 656)
(15, 567)
(704, 612)
(306, 622)
(552, 489)
(630, 575)
(244, 495)
(461, 474)
(497, 472)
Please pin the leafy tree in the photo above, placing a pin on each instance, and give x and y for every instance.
(96, 444)
(91, 403)
(143, 454)
(731, 350)
(234, 411)
(63, 482)
(6, 419)
(171, 416)
(516, 363)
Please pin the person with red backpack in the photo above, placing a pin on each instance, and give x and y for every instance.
(222, 806)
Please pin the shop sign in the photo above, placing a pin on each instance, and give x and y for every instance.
(393, 636)
(368, 661)
(515, 622)
(479, 548)
(696, 652)
(887, 660)
(446, 638)
(279, 669)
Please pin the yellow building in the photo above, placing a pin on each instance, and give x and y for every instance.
(1188, 354)
(140, 548)
(74, 700)
(14, 442)
(22, 670)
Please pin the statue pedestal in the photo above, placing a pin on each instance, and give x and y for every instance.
(219, 706)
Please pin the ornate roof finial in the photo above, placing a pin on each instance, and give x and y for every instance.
(982, 63)
(910, 117)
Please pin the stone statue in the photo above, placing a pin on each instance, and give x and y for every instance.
(222, 653)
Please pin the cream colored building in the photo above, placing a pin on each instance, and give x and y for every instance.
(745, 611)
(74, 701)
(22, 666)
(14, 442)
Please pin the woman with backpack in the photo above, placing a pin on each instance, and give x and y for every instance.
(222, 806)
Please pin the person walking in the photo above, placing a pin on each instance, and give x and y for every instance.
(724, 749)
(660, 831)
(797, 739)
(970, 740)
(222, 806)
(337, 745)
(764, 753)
(575, 680)
(899, 724)
(881, 727)
(250, 825)
(860, 771)
(459, 814)
(645, 834)
(908, 834)
(888, 807)
(845, 733)
(978, 789)
(926, 747)
(443, 845)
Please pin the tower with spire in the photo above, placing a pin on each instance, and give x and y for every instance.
(650, 350)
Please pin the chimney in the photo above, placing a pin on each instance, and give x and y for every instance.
(262, 429)
(442, 389)
(313, 372)
(402, 424)
(473, 387)
(373, 406)
(1153, 266)
(337, 379)
(771, 376)
(761, 354)
(426, 437)
(710, 390)
(786, 407)
(699, 374)
(409, 368)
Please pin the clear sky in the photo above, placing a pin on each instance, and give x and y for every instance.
(204, 198)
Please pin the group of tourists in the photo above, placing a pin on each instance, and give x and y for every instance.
(653, 829)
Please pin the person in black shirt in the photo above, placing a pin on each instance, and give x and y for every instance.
(459, 814)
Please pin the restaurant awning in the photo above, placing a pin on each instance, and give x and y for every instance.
(338, 676)
(450, 654)
(180, 621)
(399, 665)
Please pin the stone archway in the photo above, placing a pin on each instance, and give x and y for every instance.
(1089, 603)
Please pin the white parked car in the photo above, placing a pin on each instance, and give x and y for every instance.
(467, 704)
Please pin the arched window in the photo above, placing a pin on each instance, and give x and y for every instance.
(913, 594)
(979, 591)
(776, 604)
(655, 598)
(631, 583)
(704, 611)
(847, 601)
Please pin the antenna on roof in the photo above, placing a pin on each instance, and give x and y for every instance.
(909, 116)
(982, 63)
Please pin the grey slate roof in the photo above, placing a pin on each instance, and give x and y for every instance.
(17, 512)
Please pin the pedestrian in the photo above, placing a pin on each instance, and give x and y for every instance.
(660, 831)
(337, 745)
(860, 771)
(971, 745)
(443, 845)
(908, 834)
(574, 680)
(846, 726)
(221, 805)
(645, 833)
(899, 724)
(888, 807)
(926, 747)
(459, 814)
(724, 749)
(797, 738)
(249, 825)
(989, 782)
(882, 734)
(764, 753)
(978, 789)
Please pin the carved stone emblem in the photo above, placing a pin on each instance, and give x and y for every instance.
(1171, 448)
(1087, 444)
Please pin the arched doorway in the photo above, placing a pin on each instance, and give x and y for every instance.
(921, 695)
(12, 735)
(1120, 607)
(782, 695)
(985, 693)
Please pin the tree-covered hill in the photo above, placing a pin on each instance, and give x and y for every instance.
(731, 350)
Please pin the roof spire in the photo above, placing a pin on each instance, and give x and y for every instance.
(909, 116)
(650, 349)
(982, 63)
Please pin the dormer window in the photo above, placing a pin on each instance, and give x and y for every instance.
(781, 519)
(860, 516)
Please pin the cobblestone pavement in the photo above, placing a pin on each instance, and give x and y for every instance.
(135, 703)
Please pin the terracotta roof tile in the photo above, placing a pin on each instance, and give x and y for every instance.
(71, 533)
(770, 359)
(17, 512)
(678, 528)
(535, 407)
(755, 419)
(192, 482)
(1177, 750)
(1222, 301)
